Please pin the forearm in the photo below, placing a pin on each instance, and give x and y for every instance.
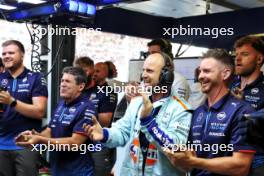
(66, 140)
(30, 110)
(166, 136)
(45, 133)
(231, 166)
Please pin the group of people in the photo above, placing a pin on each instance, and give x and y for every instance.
(161, 133)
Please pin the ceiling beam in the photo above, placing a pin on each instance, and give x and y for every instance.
(226, 4)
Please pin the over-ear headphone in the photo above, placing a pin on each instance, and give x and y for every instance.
(166, 76)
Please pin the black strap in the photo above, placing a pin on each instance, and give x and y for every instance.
(143, 141)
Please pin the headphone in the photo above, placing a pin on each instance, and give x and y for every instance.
(166, 76)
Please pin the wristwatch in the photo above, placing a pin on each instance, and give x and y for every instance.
(13, 103)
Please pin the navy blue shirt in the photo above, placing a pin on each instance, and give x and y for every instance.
(27, 85)
(217, 127)
(104, 101)
(253, 94)
(66, 120)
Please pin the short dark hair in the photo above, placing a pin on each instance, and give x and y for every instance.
(110, 70)
(222, 56)
(14, 42)
(165, 45)
(256, 42)
(78, 73)
(84, 61)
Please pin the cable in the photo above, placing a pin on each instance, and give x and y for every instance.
(2, 13)
(37, 64)
(56, 57)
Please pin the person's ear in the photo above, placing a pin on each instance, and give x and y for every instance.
(82, 86)
(260, 59)
(226, 74)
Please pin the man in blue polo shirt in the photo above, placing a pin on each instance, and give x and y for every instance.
(214, 131)
(23, 106)
(249, 83)
(64, 137)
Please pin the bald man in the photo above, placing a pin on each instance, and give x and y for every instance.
(150, 123)
(105, 100)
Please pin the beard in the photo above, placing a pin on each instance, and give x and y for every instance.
(15, 66)
(247, 70)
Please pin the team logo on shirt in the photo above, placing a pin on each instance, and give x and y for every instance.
(24, 80)
(72, 109)
(254, 91)
(200, 116)
(152, 155)
(221, 115)
(43, 81)
(92, 96)
(4, 82)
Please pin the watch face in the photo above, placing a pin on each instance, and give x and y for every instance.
(14, 103)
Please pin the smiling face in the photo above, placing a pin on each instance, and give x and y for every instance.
(69, 89)
(246, 60)
(210, 75)
(12, 57)
(151, 69)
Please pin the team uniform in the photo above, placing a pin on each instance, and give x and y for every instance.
(66, 120)
(104, 102)
(254, 94)
(170, 126)
(218, 125)
(25, 86)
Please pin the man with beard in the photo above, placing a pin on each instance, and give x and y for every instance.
(149, 124)
(249, 82)
(249, 86)
(24, 105)
(215, 124)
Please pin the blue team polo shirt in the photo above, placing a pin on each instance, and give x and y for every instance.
(27, 85)
(104, 101)
(66, 120)
(254, 94)
(218, 125)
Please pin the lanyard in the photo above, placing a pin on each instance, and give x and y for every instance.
(206, 122)
(144, 143)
